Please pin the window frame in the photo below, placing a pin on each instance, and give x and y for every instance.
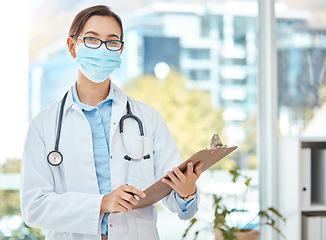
(267, 111)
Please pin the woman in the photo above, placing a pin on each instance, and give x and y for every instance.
(91, 192)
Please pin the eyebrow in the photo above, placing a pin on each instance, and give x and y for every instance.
(96, 34)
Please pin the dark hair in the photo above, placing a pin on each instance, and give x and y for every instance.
(81, 18)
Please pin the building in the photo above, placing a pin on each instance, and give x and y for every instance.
(213, 44)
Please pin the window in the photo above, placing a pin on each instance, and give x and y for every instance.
(301, 52)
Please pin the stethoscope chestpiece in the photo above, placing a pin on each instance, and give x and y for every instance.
(55, 158)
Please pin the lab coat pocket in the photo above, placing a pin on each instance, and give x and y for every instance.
(58, 236)
(146, 229)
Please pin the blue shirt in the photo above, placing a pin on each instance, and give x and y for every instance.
(99, 119)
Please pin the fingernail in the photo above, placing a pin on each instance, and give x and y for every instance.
(143, 195)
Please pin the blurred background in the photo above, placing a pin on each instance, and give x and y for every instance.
(195, 61)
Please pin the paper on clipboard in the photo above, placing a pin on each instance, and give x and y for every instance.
(159, 190)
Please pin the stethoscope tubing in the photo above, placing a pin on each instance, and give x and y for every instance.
(130, 115)
(56, 147)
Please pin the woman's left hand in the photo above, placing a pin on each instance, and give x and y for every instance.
(184, 183)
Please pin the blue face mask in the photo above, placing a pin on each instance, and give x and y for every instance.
(97, 64)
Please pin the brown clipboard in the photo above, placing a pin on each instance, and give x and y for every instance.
(159, 190)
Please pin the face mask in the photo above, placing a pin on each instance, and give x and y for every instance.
(97, 64)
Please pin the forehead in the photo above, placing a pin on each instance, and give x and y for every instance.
(103, 25)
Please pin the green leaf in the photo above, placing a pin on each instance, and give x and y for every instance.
(248, 180)
(196, 235)
(229, 234)
(270, 220)
(192, 222)
(273, 210)
(263, 214)
(238, 210)
(235, 174)
(276, 229)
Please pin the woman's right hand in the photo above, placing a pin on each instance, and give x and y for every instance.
(121, 200)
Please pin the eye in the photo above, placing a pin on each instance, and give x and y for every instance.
(114, 43)
(91, 40)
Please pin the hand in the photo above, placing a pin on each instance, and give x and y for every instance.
(184, 183)
(121, 200)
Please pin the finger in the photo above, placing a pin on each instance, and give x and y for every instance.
(130, 197)
(118, 208)
(178, 173)
(125, 204)
(169, 182)
(198, 169)
(190, 168)
(174, 179)
(121, 208)
(136, 191)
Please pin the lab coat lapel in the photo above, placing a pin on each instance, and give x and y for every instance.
(69, 101)
(118, 109)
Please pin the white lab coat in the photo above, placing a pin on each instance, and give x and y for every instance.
(65, 200)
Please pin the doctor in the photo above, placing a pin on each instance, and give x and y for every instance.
(82, 171)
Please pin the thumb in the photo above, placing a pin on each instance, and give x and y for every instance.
(198, 169)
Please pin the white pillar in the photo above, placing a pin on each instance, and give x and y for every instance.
(267, 104)
(14, 77)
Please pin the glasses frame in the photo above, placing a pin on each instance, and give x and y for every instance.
(102, 42)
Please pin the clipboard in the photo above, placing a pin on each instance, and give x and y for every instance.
(159, 189)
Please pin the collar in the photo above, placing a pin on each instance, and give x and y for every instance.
(115, 94)
(86, 107)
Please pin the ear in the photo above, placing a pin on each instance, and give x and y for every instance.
(71, 46)
(122, 48)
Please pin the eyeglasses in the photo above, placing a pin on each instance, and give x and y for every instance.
(111, 45)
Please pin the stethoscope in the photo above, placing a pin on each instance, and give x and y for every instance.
(55, 157)
(141, 132)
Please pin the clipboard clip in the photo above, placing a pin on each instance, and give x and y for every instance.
(224, 147)
(216, 142)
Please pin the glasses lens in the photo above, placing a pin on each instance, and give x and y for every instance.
(114, 45)
(91, 42)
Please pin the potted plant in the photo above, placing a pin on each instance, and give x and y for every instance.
(222, 227)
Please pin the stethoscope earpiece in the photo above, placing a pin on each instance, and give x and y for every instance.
(147, 156)
(127, 158)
